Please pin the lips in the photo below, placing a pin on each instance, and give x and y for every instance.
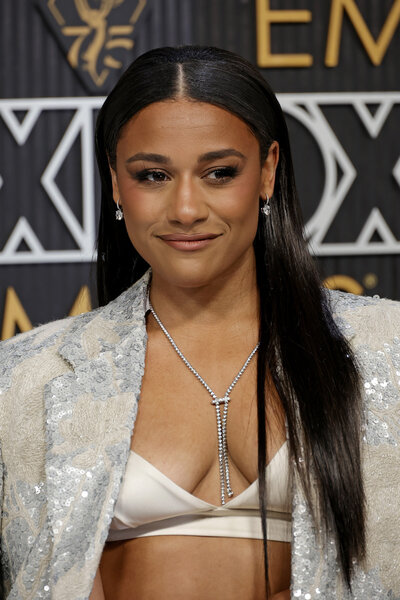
(188, 242)
(187, 237)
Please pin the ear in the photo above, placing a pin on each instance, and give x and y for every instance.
(268, 170)
(114, 181)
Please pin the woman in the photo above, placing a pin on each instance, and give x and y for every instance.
(250, 376)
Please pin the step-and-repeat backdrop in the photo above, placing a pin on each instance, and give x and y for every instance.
(333, 63)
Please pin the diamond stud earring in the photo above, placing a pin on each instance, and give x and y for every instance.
(266, 209)
(119, 215)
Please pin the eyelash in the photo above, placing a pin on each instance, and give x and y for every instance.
(226, 173)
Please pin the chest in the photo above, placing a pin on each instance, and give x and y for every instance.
(176, 425)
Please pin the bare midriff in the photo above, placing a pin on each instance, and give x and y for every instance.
(192, 568)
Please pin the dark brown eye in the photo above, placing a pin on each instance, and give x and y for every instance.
(222, 173)
(151, 176)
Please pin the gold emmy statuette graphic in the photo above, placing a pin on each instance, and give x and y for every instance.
(91, 32)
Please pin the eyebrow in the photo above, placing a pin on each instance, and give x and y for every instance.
(164, 160)
(151, 157)
(216, 154)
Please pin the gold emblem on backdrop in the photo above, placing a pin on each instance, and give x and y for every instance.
(15, 318)
(95, 35)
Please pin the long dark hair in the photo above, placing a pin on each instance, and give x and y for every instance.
(301, 348)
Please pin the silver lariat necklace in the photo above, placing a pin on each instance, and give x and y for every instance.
(221, 422)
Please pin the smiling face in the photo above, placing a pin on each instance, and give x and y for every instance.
(188, 177)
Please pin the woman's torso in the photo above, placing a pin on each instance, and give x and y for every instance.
(176, 432)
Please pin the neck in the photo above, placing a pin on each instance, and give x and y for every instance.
(229, 303)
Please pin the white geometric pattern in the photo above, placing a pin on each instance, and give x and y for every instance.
(22, 232)
(374, 123)
(306, 108)
(396, 172)
(81, 125)
(20, 130)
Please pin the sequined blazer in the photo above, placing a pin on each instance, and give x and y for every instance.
(68, 401)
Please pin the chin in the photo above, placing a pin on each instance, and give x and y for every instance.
(188, 277)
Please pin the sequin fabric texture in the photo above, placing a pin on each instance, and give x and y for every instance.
(68, 402)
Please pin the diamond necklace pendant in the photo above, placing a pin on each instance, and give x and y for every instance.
(221, 421)
(223, 447)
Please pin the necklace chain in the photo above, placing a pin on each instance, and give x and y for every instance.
(221, 422)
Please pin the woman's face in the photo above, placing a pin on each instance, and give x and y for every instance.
(188, 177)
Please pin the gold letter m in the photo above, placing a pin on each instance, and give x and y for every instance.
(375, 49)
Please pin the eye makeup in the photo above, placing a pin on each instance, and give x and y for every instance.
(145, 175)
(216, 175)
(222, 174)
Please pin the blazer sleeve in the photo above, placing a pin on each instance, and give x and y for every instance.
(2, 593)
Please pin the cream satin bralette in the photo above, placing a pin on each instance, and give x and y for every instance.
(150, 504)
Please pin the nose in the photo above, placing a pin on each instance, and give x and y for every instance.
(186, 205)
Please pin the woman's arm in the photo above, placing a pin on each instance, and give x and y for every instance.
(97, 590)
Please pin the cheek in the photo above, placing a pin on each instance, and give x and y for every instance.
(244, 213)
(140, 208)
(139, 215)
(241, 204)
(137, 224)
